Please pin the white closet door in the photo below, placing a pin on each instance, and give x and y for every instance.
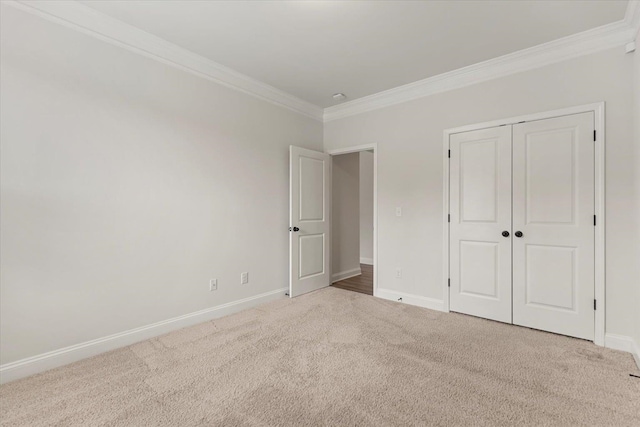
(553, 208)
(480, 207)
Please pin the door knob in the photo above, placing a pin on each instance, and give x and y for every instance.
(505, 233)
(518, 233)
(294, 229)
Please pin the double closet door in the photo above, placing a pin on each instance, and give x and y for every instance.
(522, 235)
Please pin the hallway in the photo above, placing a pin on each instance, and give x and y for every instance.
(362, 283)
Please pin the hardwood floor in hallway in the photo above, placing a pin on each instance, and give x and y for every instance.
(362, 283)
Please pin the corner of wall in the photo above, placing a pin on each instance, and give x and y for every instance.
(636, 127)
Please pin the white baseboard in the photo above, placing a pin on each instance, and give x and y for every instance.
(621, 342)
(367, 261)
(336, 277)
(53, 359)
(420, 301)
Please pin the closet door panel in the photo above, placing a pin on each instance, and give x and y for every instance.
(553, 207)
(480, 207)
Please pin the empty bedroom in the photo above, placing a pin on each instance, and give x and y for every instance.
(301, 213)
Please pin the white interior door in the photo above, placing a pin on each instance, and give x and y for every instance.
(480, 208)
(553, 208)
(309, 203)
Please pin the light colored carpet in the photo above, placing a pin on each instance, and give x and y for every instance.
(335, 357)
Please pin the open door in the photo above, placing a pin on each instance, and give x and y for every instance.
(309, 225)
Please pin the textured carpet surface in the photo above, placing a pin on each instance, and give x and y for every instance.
(335, 357)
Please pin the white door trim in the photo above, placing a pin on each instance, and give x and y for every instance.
(599, 115)
(356, 149)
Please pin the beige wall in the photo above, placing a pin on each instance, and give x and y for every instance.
(410, 149)
(128, 184)
(366, 206)
(345, 215)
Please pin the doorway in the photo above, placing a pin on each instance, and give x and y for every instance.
(353, 219)
(311, 247)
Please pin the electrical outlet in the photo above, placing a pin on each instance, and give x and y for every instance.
(213, 284)
(398, 273)
(398, 211)
(244, 278)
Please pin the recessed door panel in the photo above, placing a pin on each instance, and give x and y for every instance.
(478, 269)
(550, 279)
(311, 189)
(553, 208)
(479, 180)
(311, 248)
(550, 188)
(480, 206)
(310, 186)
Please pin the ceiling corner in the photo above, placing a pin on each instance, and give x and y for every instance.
(632, 15)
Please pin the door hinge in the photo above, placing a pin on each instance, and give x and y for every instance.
(449, 154)
(595, 304)
(448, 217)
(594, 135)
(594, 220)
(449, 282)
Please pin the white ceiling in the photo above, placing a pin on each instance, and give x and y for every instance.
(313, 49)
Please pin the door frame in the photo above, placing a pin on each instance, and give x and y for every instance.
(357, 149)
(599, 263)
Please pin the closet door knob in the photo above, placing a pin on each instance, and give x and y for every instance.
(518, 234)
(505, 233)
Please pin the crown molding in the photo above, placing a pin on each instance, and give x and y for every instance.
(89, 21)
(94, 23)
(601, 38)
